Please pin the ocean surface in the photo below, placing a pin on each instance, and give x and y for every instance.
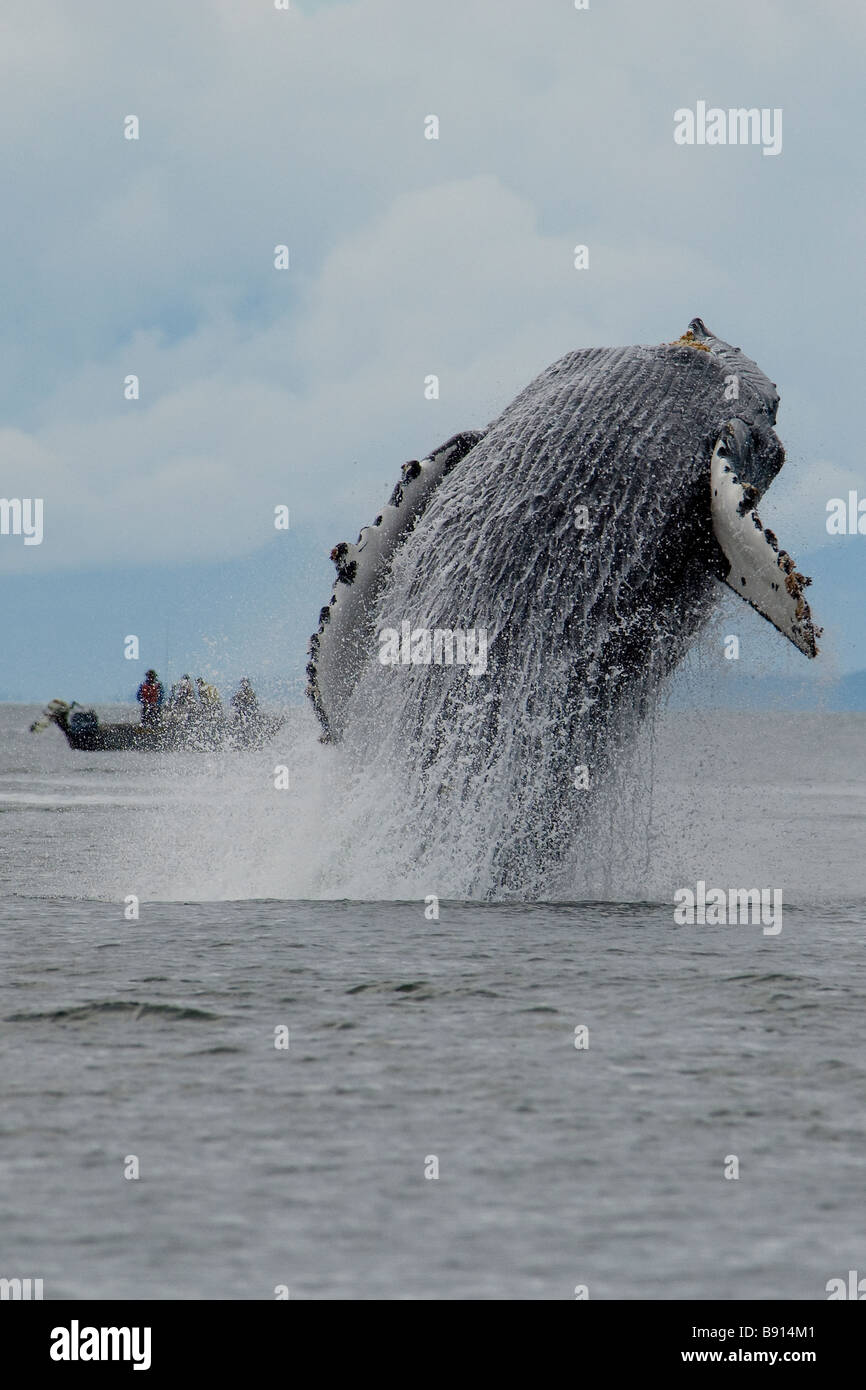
(413, 1039)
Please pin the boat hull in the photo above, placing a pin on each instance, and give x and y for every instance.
(201, 736)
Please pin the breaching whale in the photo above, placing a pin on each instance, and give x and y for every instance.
(584, 531)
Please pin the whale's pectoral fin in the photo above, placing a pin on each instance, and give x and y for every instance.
(756, 569)
(342, 643)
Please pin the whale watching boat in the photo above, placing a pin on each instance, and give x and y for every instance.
(195, 728)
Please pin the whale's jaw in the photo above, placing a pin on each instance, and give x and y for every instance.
(581, 533)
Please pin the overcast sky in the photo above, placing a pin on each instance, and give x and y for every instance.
(408, 256)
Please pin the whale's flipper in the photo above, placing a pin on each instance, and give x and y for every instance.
(342, 643)
(762, 574)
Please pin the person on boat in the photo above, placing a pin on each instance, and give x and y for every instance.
(209, 696)
(150, 695)
(183, 706)
(245, 703)
(182, 695)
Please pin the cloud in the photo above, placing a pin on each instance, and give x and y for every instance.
(409, 256)
(456, 280)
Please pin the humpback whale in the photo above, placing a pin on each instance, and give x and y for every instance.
(585, 531)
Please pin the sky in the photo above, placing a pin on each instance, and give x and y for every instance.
(305, 387)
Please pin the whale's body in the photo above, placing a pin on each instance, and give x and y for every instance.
(584, 531)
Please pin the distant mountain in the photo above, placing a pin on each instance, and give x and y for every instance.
(851, 692)
(732, 688)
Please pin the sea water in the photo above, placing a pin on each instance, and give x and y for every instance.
(476, 1099)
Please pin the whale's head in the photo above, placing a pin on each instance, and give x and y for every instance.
(747, 405)
(736, 364)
